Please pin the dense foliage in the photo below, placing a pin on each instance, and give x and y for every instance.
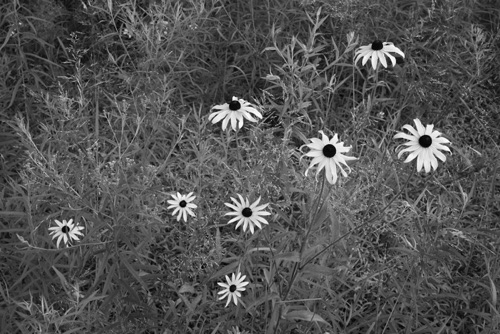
(105, 109)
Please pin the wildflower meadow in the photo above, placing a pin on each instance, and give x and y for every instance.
(230, 167)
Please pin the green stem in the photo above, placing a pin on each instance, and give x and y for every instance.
(296, 267)
(240, 158)
(316, 210)
(357, 227)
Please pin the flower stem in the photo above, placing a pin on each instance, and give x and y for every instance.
(358, 227)
(297, 267)
(240, 158)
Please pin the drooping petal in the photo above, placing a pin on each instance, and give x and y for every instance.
(391, 57)
(248, 117)
(331, 172)
(441, 140)
(254, 111)
(233, 117)
(316, 144)
(413, 155)
(438, 154)
(426, 160)
(434, 162)
(381, 56)
(366, 57)
(315, 154)
(402, 135)
(389, 47)
(218, 116)
(412, 130)
(420, 162)
(59, 240)
(321, 165)
(225, 122)
(374, 60)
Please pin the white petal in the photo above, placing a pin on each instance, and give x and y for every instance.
(374, 60)
(233, 117)
(403, 135)
(441, 140)
(412, 130)
(366, 57)
(381, 56)
(438, 154)
(218, 116)
(315, 154)
(224, 123)
(420, 127)
(252, 110)
(389, 47)
(428, 129)
(434, 162)
(413, 155)
(248, 117)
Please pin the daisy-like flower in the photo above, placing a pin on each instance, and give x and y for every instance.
(377, 51)
(246, 214)
(328, 154)
(66, 231)
(423, 144)
(234, 112)
(233, 288)
(182, 205)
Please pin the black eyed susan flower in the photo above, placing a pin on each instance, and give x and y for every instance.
(246, 214)
(377, 51)
(233, 288)
(423, 144)
(182, 205)
(66, 231)
(234, 112)
(328, 154)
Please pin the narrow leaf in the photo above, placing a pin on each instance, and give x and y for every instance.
(304, 315)
(317, 269)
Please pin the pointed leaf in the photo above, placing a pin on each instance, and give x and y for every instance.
(304, 315)
(229, 269)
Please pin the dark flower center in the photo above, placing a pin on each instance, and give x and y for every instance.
(329, 151)
(234, 105)
(232, 288)
(247, 212)
(65, 229)
(377, 45)
(182, 204)
(425, 141)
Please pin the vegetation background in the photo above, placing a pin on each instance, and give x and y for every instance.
(104, 115)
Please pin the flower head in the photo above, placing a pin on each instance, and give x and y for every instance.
(234, 112)
(233, 287)
(377, 51)
(246, 214)
(328, 154)
(423, 144)
(67, 231)
(182, 205)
